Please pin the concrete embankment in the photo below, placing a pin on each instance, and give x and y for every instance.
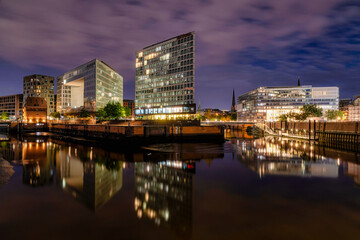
(128, 135)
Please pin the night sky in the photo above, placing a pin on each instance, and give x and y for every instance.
(241, 44)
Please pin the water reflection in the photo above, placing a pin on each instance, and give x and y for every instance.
(87, 176)
(352, 170)
(164, 194)
(38, 162)
(276, 156)
(157, 184)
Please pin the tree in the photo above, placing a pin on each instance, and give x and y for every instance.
(101, 114)
(283, 117)
(4, 116)
(113, 110)
(311, 110)
(56, 115)
(334, 114)
(233, 117)
(84, 113)
(126, 112)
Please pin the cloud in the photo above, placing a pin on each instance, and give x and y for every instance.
(274, 36)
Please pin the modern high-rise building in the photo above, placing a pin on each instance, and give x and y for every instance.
(91, 85)
(12, 105)
(268, 103)
(165, 79)
(37, 85)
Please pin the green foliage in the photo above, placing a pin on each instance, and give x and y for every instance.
(84, 114)
(4, 116)
(334, 114)
(127, 112)
(311, 110)
(233, 117)
(113, 110)
(56, 115)
(306, 111)
(283, 117)
(101, 113)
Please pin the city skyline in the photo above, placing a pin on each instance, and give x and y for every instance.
(240, 44)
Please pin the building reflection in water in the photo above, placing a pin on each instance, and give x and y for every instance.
(285, 157)
(353, 170)
(36, 157)
(164, 194)
(38, 162)
(90, 177)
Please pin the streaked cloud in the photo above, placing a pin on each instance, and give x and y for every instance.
(247, 42)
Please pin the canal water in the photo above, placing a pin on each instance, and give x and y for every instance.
(268, 188)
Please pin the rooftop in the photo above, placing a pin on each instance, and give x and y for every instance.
(180, 36)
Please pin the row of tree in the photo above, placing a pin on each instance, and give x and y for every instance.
(225, 116)
(112, 110)
(311, 110)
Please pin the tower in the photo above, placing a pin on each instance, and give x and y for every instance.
(233, 105)
(299, 81)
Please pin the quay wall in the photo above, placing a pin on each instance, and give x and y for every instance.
(349, 127)
(138, 133)
(341, 135)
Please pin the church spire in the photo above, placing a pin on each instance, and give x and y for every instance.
(233, 105)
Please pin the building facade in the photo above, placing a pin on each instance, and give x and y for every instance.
(165, 79)
(268, 103)
(344, 106)
(35, 110)
(12, 105)
(37, 85)
(91, 85)
(130, 104)
(354, 110)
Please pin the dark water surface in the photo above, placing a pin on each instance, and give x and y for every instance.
(242, 189)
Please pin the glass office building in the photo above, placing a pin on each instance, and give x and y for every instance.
(268, 103)
(165, 79)
(91, 85)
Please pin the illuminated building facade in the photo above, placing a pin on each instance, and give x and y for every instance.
(344, 107)
(130, 104)
(165, 79)
(91, 85)
(37, 85)
(268, 103)
(12, 105)
(354, 110)
(35, 110)
(163, 193)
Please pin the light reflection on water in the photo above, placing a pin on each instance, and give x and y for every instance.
(160, 180)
